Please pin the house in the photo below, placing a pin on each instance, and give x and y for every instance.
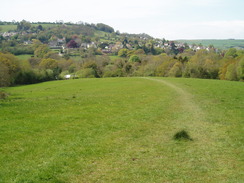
(91, 45)
(83, 45)
(70, 76)
(67, 76)
(61, 42)
(8, 34)
(116, 47)
(129, 46)
(54, 45)
(27, 42)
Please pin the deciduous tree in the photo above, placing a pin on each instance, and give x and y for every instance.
(134, 58)
(23, 25)
(72, 44)
(123, 52)
(41, 51)
(48, 63)
(9, 68)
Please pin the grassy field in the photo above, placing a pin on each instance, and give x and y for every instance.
(24, 57)
(6, 28)
(45, 26)
(122, 130)
(218, 43)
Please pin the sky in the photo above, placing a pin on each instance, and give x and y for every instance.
(169, 19)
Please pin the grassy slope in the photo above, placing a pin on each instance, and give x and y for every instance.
(6, 28)
(121, 129)
(46, 25)
(221, 44)
(24, 57)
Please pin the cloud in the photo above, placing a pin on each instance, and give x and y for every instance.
(204, 2)
(200, 30)
(160, 18)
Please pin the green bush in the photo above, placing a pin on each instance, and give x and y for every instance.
(176, 70)
(134, 58)
(87, 73)
(123, 52)
(113, 73)
(240, 69)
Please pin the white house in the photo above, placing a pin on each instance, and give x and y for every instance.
(67, 76)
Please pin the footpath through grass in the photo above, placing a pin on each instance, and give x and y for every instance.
(122, 130)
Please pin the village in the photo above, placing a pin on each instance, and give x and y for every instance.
(104, 45)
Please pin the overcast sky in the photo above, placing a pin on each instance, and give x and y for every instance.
(169, 19)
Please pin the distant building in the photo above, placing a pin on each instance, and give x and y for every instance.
(68, 76)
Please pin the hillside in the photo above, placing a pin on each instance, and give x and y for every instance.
(42, 51)
(82, 33)
(220, 44)
(103, 35)
(122, 130)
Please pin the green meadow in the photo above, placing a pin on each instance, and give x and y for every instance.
(123, 130)
(24, 57)
(218, 43)
(6, 28)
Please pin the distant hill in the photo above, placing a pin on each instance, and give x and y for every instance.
(217, 43)
(46, 31)
(105, 33)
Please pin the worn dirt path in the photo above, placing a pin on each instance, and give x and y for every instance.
(211, 145)
(195, 117)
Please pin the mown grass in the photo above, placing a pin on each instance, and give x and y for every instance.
(122, 130)
(218, 43)
(24, 57)
(6, 28)
(46, 26)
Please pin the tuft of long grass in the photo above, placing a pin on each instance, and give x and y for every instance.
(3, 95)
(182, 135)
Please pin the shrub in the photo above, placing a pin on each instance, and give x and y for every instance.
(87, 73)
(134, 58)
(123, 52)
(231, 72)
(113, 73)
(240, 70)
(9, 68)
(176, 70)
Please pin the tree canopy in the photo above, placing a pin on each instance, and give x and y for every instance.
(104, 27)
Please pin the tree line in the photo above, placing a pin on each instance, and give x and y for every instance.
(47, 65)
(109, 54)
